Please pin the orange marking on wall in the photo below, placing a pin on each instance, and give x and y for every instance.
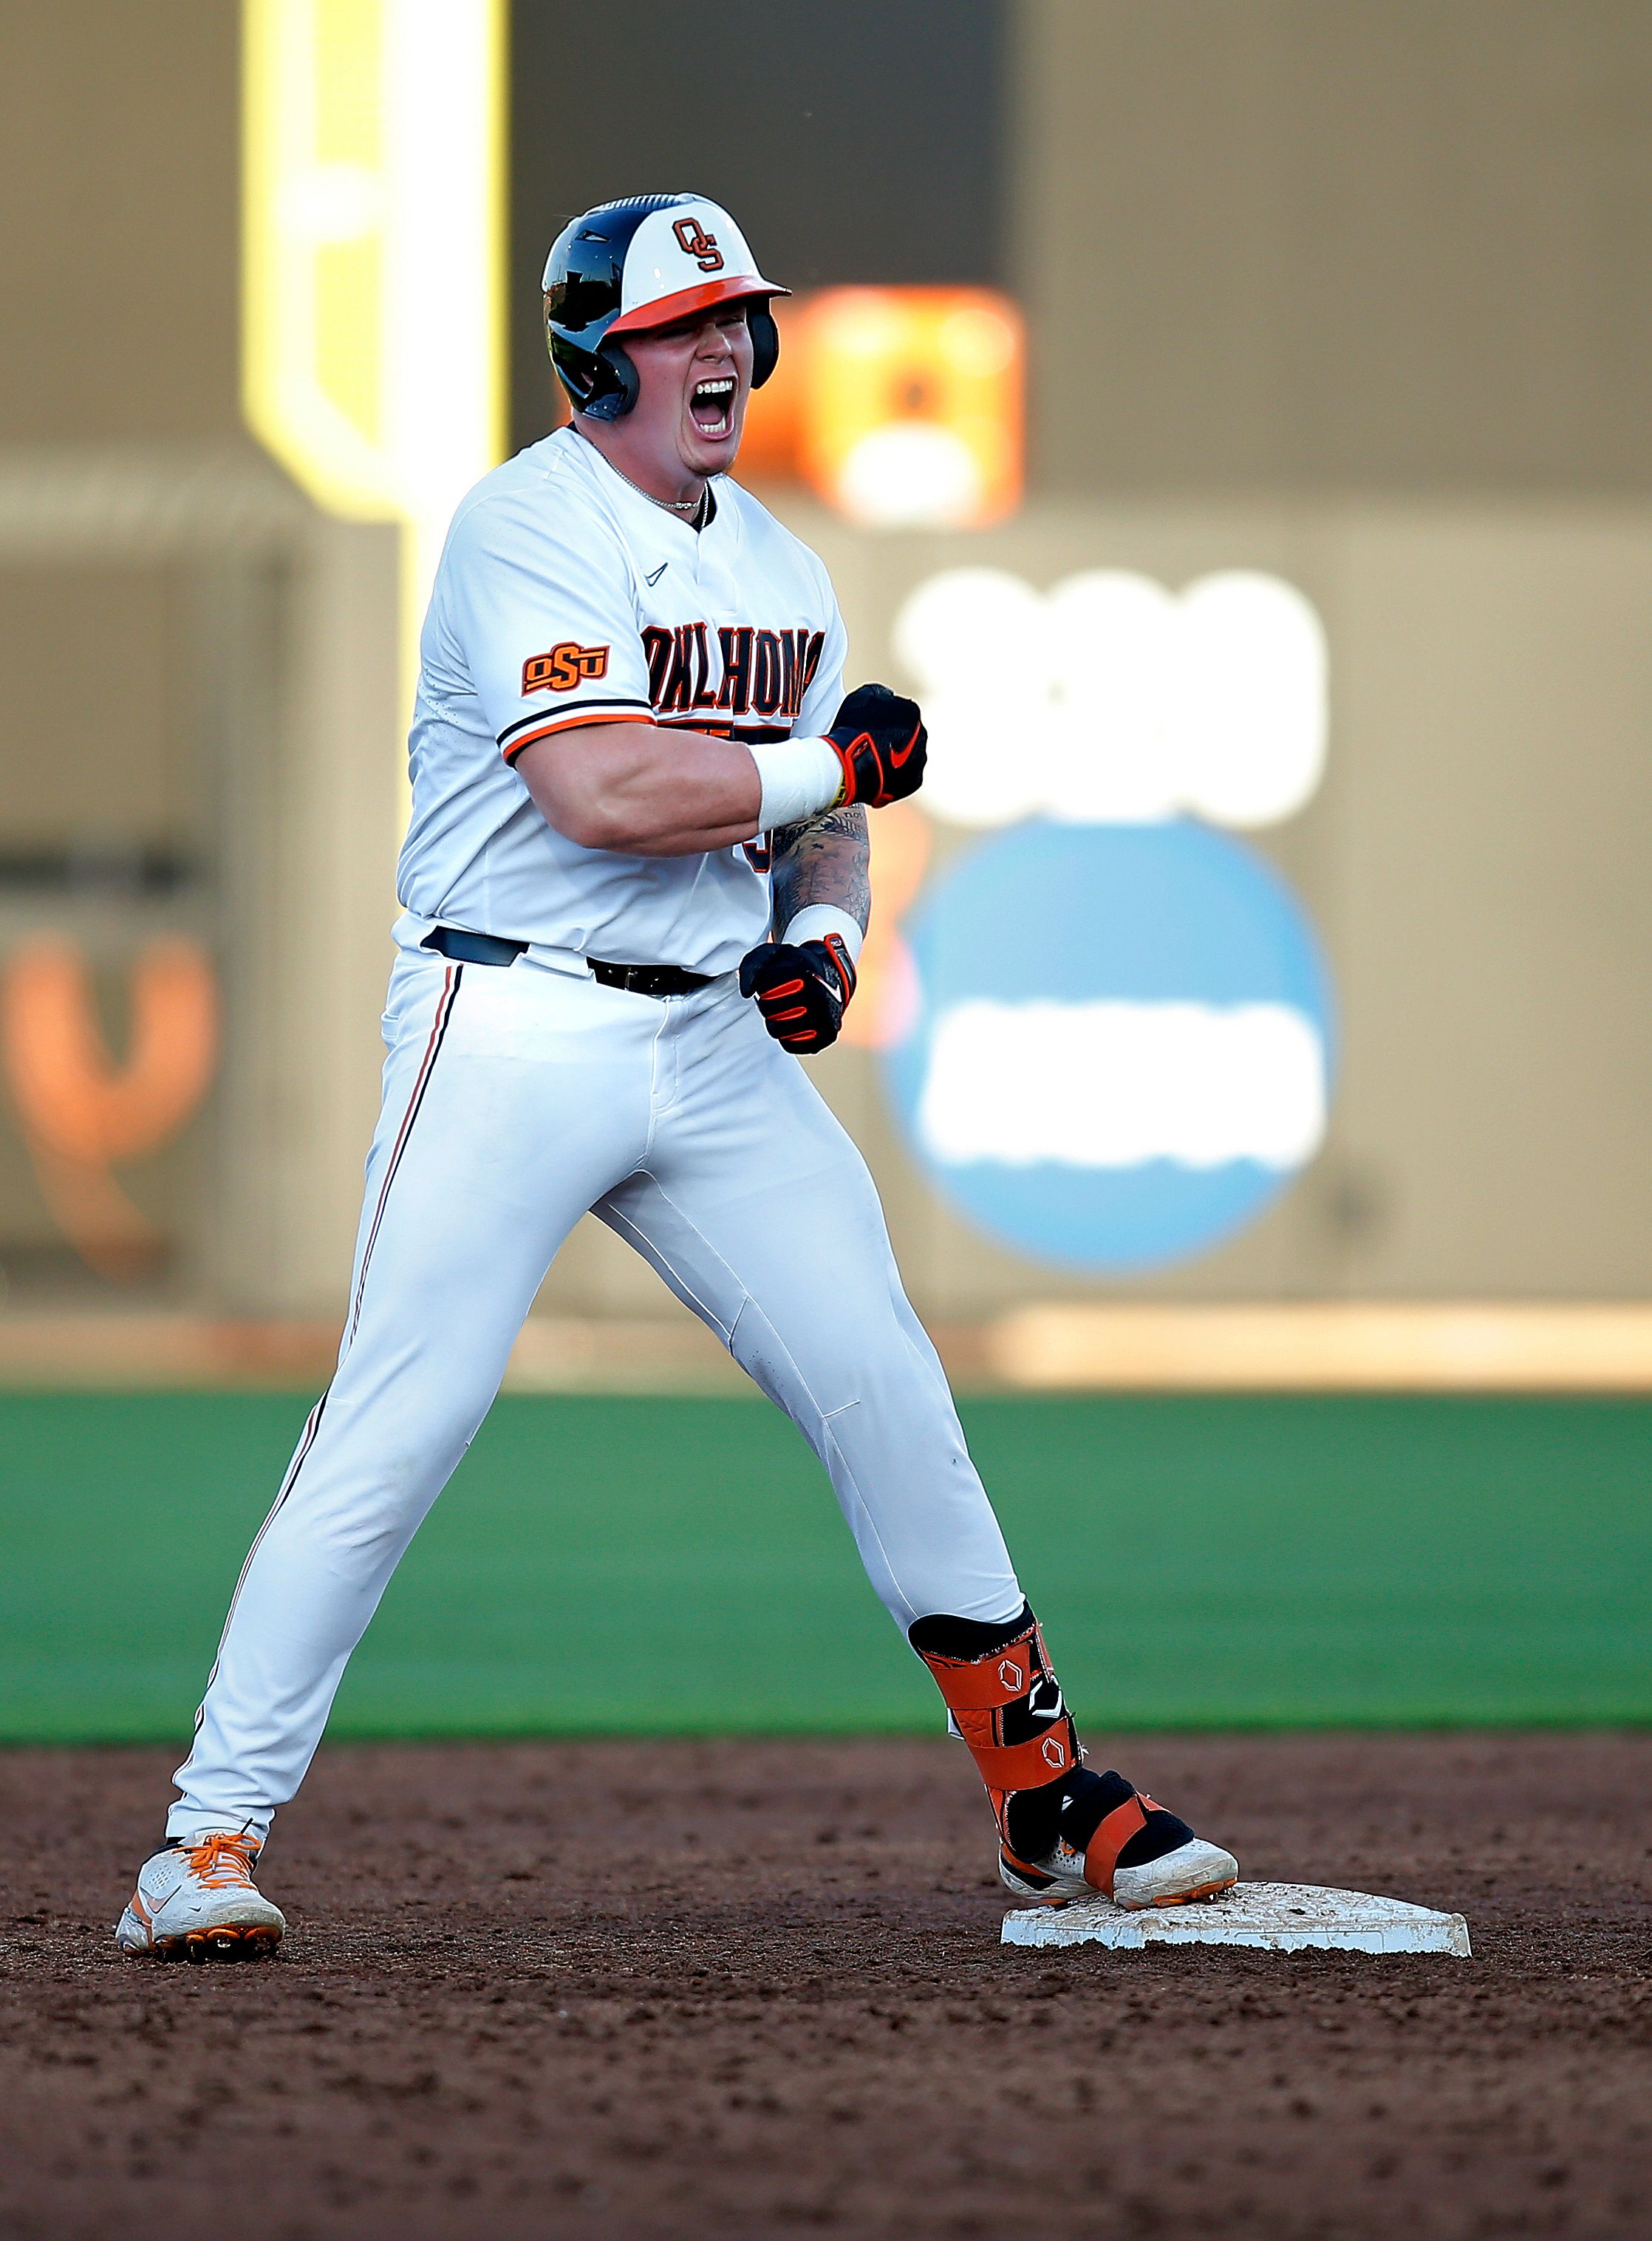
(81, 1113)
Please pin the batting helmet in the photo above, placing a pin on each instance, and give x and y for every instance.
(627, 266)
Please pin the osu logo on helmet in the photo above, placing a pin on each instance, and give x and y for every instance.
(564, 667)
(698, 243)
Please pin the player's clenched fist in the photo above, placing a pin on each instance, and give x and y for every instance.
(801, 989)
(882, 743)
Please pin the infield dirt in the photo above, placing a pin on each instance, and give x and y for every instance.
(754, 1989)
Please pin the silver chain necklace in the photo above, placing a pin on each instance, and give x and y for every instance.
(686, 506)
(682, 507)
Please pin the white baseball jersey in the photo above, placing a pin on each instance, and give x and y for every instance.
(566, 596)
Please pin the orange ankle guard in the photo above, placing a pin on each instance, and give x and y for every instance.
(1009, 1707)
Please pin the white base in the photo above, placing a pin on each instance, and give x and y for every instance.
(1282, 1917)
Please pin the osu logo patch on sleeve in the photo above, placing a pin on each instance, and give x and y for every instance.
(564, 667)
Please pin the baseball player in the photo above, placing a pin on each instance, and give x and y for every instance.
(634, 890)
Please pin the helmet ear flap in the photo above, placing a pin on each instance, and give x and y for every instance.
(766, 343)
(614, 396)
(601, 384)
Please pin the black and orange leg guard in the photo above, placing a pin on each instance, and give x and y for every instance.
(1056, 1819)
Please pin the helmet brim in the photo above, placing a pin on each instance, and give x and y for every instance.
(665, 311)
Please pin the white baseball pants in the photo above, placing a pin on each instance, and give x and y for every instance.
(516, 1098)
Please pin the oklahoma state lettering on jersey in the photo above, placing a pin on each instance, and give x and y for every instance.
(565, 598)
(763, 671)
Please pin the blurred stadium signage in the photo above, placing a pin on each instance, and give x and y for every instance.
(82, 1114)
(902, 407)
(1132, 702)
(1115, 1041)
(1122, 1042)
(373, 225)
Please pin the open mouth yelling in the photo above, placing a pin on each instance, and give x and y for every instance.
(710, 406)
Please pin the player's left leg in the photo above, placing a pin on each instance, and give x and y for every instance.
(758, 1212)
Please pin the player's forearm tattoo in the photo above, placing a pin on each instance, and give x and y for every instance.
(825, 861)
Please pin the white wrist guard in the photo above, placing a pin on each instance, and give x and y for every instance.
(799, 778)
(822, 918)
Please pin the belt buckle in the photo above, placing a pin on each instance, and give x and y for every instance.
(655, 981)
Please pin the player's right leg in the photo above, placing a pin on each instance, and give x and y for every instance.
(513, 1097)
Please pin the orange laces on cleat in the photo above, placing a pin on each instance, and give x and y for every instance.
(224, 1860)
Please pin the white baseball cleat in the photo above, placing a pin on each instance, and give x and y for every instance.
(1195, 1869)
(198, 1902)
(1118, 1842)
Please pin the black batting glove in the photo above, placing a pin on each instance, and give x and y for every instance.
(882, 743)
(802, 989)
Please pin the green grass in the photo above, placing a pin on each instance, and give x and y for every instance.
(612, 1565)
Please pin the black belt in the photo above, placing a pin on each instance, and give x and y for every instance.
(472, 948)
(648, 980)
(497, 949)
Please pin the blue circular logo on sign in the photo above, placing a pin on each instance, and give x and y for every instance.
(1123, 1044)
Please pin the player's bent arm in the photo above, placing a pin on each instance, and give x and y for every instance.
(647, 790)
(821, 891)
(641, 790)
(823, 865)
